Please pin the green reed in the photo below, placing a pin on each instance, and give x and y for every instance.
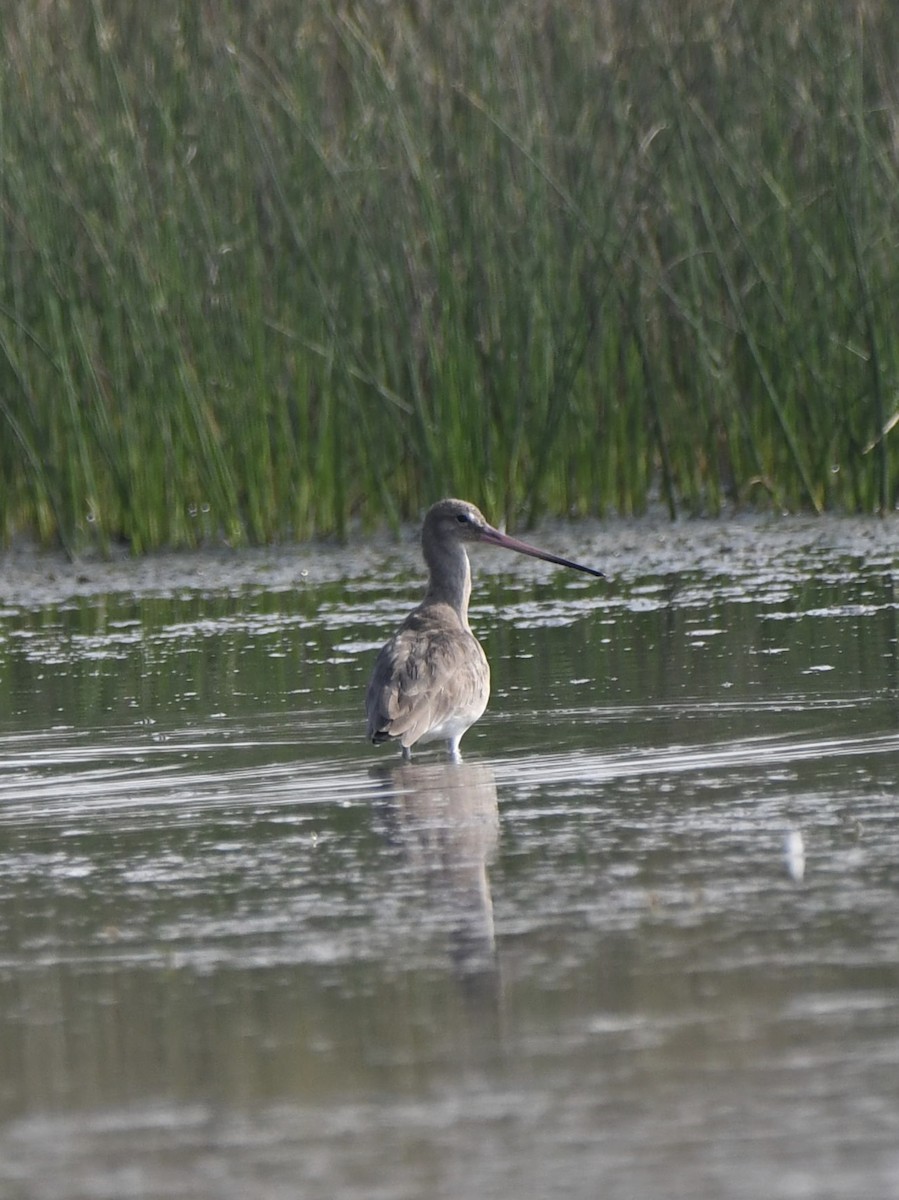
(272, 269)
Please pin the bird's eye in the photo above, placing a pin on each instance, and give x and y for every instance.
(462, 518)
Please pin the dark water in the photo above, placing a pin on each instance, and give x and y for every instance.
(643, 942)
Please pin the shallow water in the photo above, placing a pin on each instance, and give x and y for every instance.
(643, 942)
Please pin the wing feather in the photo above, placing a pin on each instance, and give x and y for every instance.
(432, 671)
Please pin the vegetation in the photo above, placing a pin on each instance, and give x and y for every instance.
(269, 268)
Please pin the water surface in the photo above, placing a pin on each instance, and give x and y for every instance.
(644, 941)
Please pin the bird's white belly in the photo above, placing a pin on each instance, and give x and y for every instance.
(451, 728)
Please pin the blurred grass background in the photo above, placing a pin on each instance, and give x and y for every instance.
(272, 268)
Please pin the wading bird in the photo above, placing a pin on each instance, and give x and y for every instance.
(431, 681)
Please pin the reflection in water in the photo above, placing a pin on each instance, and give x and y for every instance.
(444, 817)
(794, 855)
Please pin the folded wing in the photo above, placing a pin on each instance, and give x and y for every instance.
(431, 679)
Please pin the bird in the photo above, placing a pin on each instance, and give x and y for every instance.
(431, 681)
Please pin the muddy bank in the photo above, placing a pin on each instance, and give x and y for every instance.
(629, 549)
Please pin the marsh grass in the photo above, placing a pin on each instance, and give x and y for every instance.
(271, 269)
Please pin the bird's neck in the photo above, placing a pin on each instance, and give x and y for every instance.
(450, 579)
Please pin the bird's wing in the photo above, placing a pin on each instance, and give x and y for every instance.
(422, 677)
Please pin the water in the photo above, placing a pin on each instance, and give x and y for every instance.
(644, 942)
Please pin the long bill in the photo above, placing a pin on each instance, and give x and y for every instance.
(495, 538)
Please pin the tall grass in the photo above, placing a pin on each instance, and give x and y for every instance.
(270, 268)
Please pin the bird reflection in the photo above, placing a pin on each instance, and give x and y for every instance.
(444, 818)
